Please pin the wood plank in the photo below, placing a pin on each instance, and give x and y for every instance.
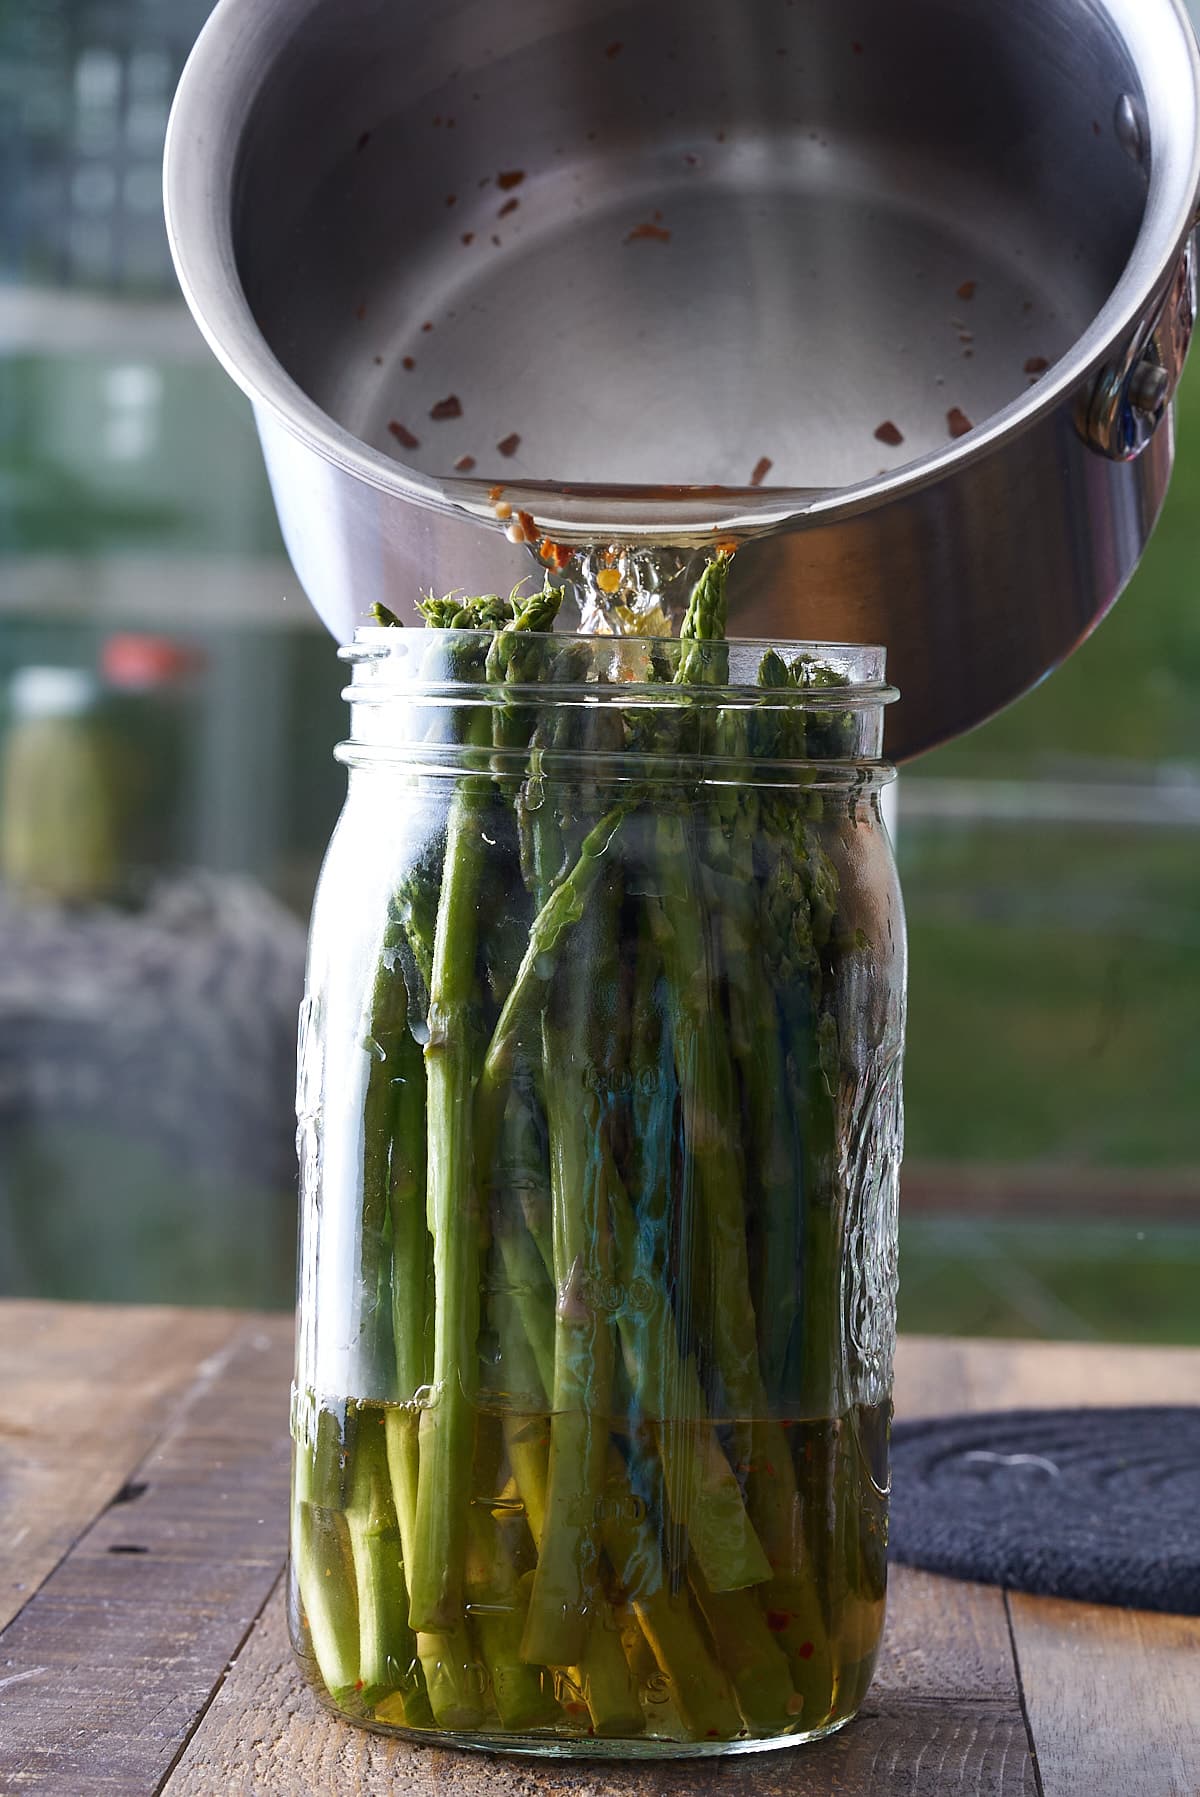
(943, 1720)
(940, 1375)
(1113, 1698)
(107, 1667)
(84, 1391)
(1090, 1194)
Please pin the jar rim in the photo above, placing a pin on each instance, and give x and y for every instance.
(378, 654)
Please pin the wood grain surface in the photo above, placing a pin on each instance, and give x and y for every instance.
(1113, 1697)
(143, 1650)
(107, 1667)
(84, 1389)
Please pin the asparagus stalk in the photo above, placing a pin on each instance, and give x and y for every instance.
(497, 1602)
(565, 1583)
(388, 1662)
(324, 1559)
(600, 1676)
(750, 1654)
(446, 1429)
(697, 1685)
(704, 1495)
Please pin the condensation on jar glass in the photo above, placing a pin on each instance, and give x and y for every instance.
(600, 1126)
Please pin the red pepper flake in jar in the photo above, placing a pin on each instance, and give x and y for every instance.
(522, 529)
(614, 49)
(857, 49)
(468, 236)
(805, 1650)
(508, 206)
(408, 362)
(762, 468)
(450, 407)
(890, 434)
(1036, 365)
(363, 141)
(510, 177)
(727, 546)
(509, 445)
(495, 493)
(428, 325)
(655, 233)
(958, 421)
(464, 464)
(360, 312)
(777, 1621)
(968, 290)
(403, 435)
(452, 199)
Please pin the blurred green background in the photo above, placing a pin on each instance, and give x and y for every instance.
(1051, 861)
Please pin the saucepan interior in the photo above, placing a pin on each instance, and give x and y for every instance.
(681, 242)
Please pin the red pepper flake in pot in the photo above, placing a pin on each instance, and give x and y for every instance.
(509, 445)
(656, 233)
(762, 468)
(890, 434)
(958, 421)
(403, 435)
(450, 407)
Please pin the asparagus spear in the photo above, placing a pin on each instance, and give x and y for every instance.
(698, 1687)
(388, 1662)
(446, 1429)
(324, 1559)
(565, 1583)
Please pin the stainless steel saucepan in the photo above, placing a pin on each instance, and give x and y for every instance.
(894, 296)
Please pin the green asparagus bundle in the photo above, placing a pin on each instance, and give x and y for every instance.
(612, 1478)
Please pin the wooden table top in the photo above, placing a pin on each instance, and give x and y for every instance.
(143, 1521)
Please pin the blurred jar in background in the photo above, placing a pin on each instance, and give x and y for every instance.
(147, 1007)
(59, 829)
(149, 685)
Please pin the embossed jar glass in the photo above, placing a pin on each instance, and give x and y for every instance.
(600, 1126)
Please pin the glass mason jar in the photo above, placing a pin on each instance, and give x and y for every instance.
(600, 1125)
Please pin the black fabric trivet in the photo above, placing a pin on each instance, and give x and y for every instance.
(1098, 1505)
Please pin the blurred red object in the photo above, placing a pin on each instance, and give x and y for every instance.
(133, 662)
